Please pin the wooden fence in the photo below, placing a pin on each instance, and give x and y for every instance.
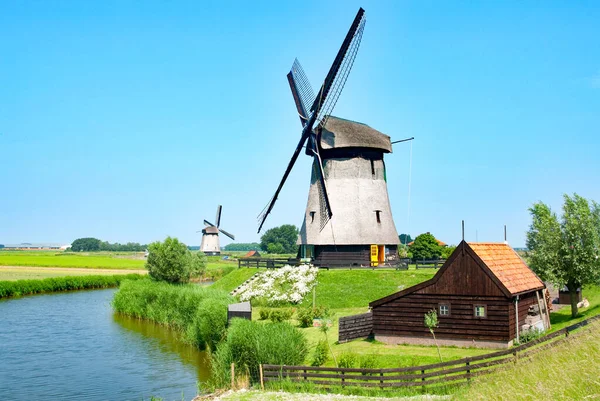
(268, 263)
(429, 264)
(454, 372)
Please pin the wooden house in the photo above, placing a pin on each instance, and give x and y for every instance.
(252, 254)
(484, 294)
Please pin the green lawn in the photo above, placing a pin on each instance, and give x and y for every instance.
(344, 288)
(116, 260)
(232, 280)
(562, 317)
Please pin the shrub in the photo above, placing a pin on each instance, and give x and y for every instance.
(320, 353)
(171, 261)
(347, 360)
(367, 362)
(529, 335)
(305, 316)
(280, 315)
(264, 314)
(249, 344)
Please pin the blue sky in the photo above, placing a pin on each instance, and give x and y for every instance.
(131, 121)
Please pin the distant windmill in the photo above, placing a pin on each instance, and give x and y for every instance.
(348, 209)
(210, 235)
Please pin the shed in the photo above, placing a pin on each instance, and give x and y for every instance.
(242, 310)
(483, 294)
(251, 254)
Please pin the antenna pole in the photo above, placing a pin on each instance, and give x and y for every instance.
(463, 230)
(505, 241)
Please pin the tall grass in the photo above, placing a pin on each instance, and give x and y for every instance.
(55, 284)
(199, 313)
(249, 344)
(569, 371)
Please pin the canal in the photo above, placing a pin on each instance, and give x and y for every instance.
(71, 346)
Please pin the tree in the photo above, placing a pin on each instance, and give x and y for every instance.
(171, 261)
(426, 247)
(240, 246)
(285, 235)
(566, 252)
(447, 251)
(405, 239)
(1, 246)
(431, 321)
(86, 245)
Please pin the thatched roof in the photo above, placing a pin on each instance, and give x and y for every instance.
(341, 133)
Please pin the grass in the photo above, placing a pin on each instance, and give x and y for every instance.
(342, 288)
(254, 395)
(232, 280)
(38, 273)
(56, 284)
(105, 260)
(562, 317)
(570, 371)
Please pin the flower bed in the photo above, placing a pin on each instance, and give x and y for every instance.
(285, 285)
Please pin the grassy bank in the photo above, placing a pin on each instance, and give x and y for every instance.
(570, 371)
(13, 273)
(56, 284)
(107, 260)
(235, 278)
(198, 313)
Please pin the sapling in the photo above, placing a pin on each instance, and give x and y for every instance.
(325, 322)
(431, 321)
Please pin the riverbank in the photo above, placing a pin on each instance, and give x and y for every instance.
(255, 395)
(59, 284)
(13, 273)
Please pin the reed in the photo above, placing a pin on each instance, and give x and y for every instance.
(57, 284)
(198, 313)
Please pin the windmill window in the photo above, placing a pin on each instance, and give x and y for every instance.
(312, 216)
(373, 168)
(378, 215)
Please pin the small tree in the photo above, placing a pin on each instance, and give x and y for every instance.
(426, 247)
(171, 261)
(566, 252)
(405, 239)
(431, 321)
(285, 235)
(447, 251)
(325, 322)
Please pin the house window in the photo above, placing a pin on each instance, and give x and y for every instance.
(480, 311)
(444, 310)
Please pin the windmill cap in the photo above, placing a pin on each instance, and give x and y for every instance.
(341, 133)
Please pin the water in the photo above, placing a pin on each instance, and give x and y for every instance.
(71, 346)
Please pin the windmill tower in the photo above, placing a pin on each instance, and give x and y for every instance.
(348, 218)
(210, 235)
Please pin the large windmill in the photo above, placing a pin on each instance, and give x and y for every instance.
(348, 215)
(210, 235)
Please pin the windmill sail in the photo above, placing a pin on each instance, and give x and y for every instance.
(218, 218)
(335, 79)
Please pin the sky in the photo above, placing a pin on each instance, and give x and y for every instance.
(130, 120)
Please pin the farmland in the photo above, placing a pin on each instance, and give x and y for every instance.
(99, 260)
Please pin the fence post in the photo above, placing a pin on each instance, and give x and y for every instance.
(423, 379)
(305, 374)
(468, 373)
(262, 382)
(343, 379)
(381, 381)
(232, 375)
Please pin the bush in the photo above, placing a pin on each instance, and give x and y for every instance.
(264, 314)
(347, 360)
(280, 315)
(200, 313)
(529, 335)
(305, 316)
(54, 284)
(249, 344)
(171, 261)
(367, 362)
(320, 354)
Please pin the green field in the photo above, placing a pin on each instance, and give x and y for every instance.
(39, 273)
(100, 260)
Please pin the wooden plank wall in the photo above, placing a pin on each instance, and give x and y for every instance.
(355, 326)
(405, 317)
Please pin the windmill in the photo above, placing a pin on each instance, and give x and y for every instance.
(210, 235)
(348, 210)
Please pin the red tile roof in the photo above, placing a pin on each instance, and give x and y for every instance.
(507, 266)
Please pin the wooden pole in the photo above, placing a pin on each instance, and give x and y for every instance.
(314, 296)
(262, 383)
(232, 375)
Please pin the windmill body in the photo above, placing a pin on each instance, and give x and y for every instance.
(355, 178)
(210, 244)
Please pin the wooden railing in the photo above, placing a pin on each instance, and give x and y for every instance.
(268, 263)
(454, 372)
(429, 264)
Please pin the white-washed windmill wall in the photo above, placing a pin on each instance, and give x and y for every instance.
(210, 243)
(355, 194)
